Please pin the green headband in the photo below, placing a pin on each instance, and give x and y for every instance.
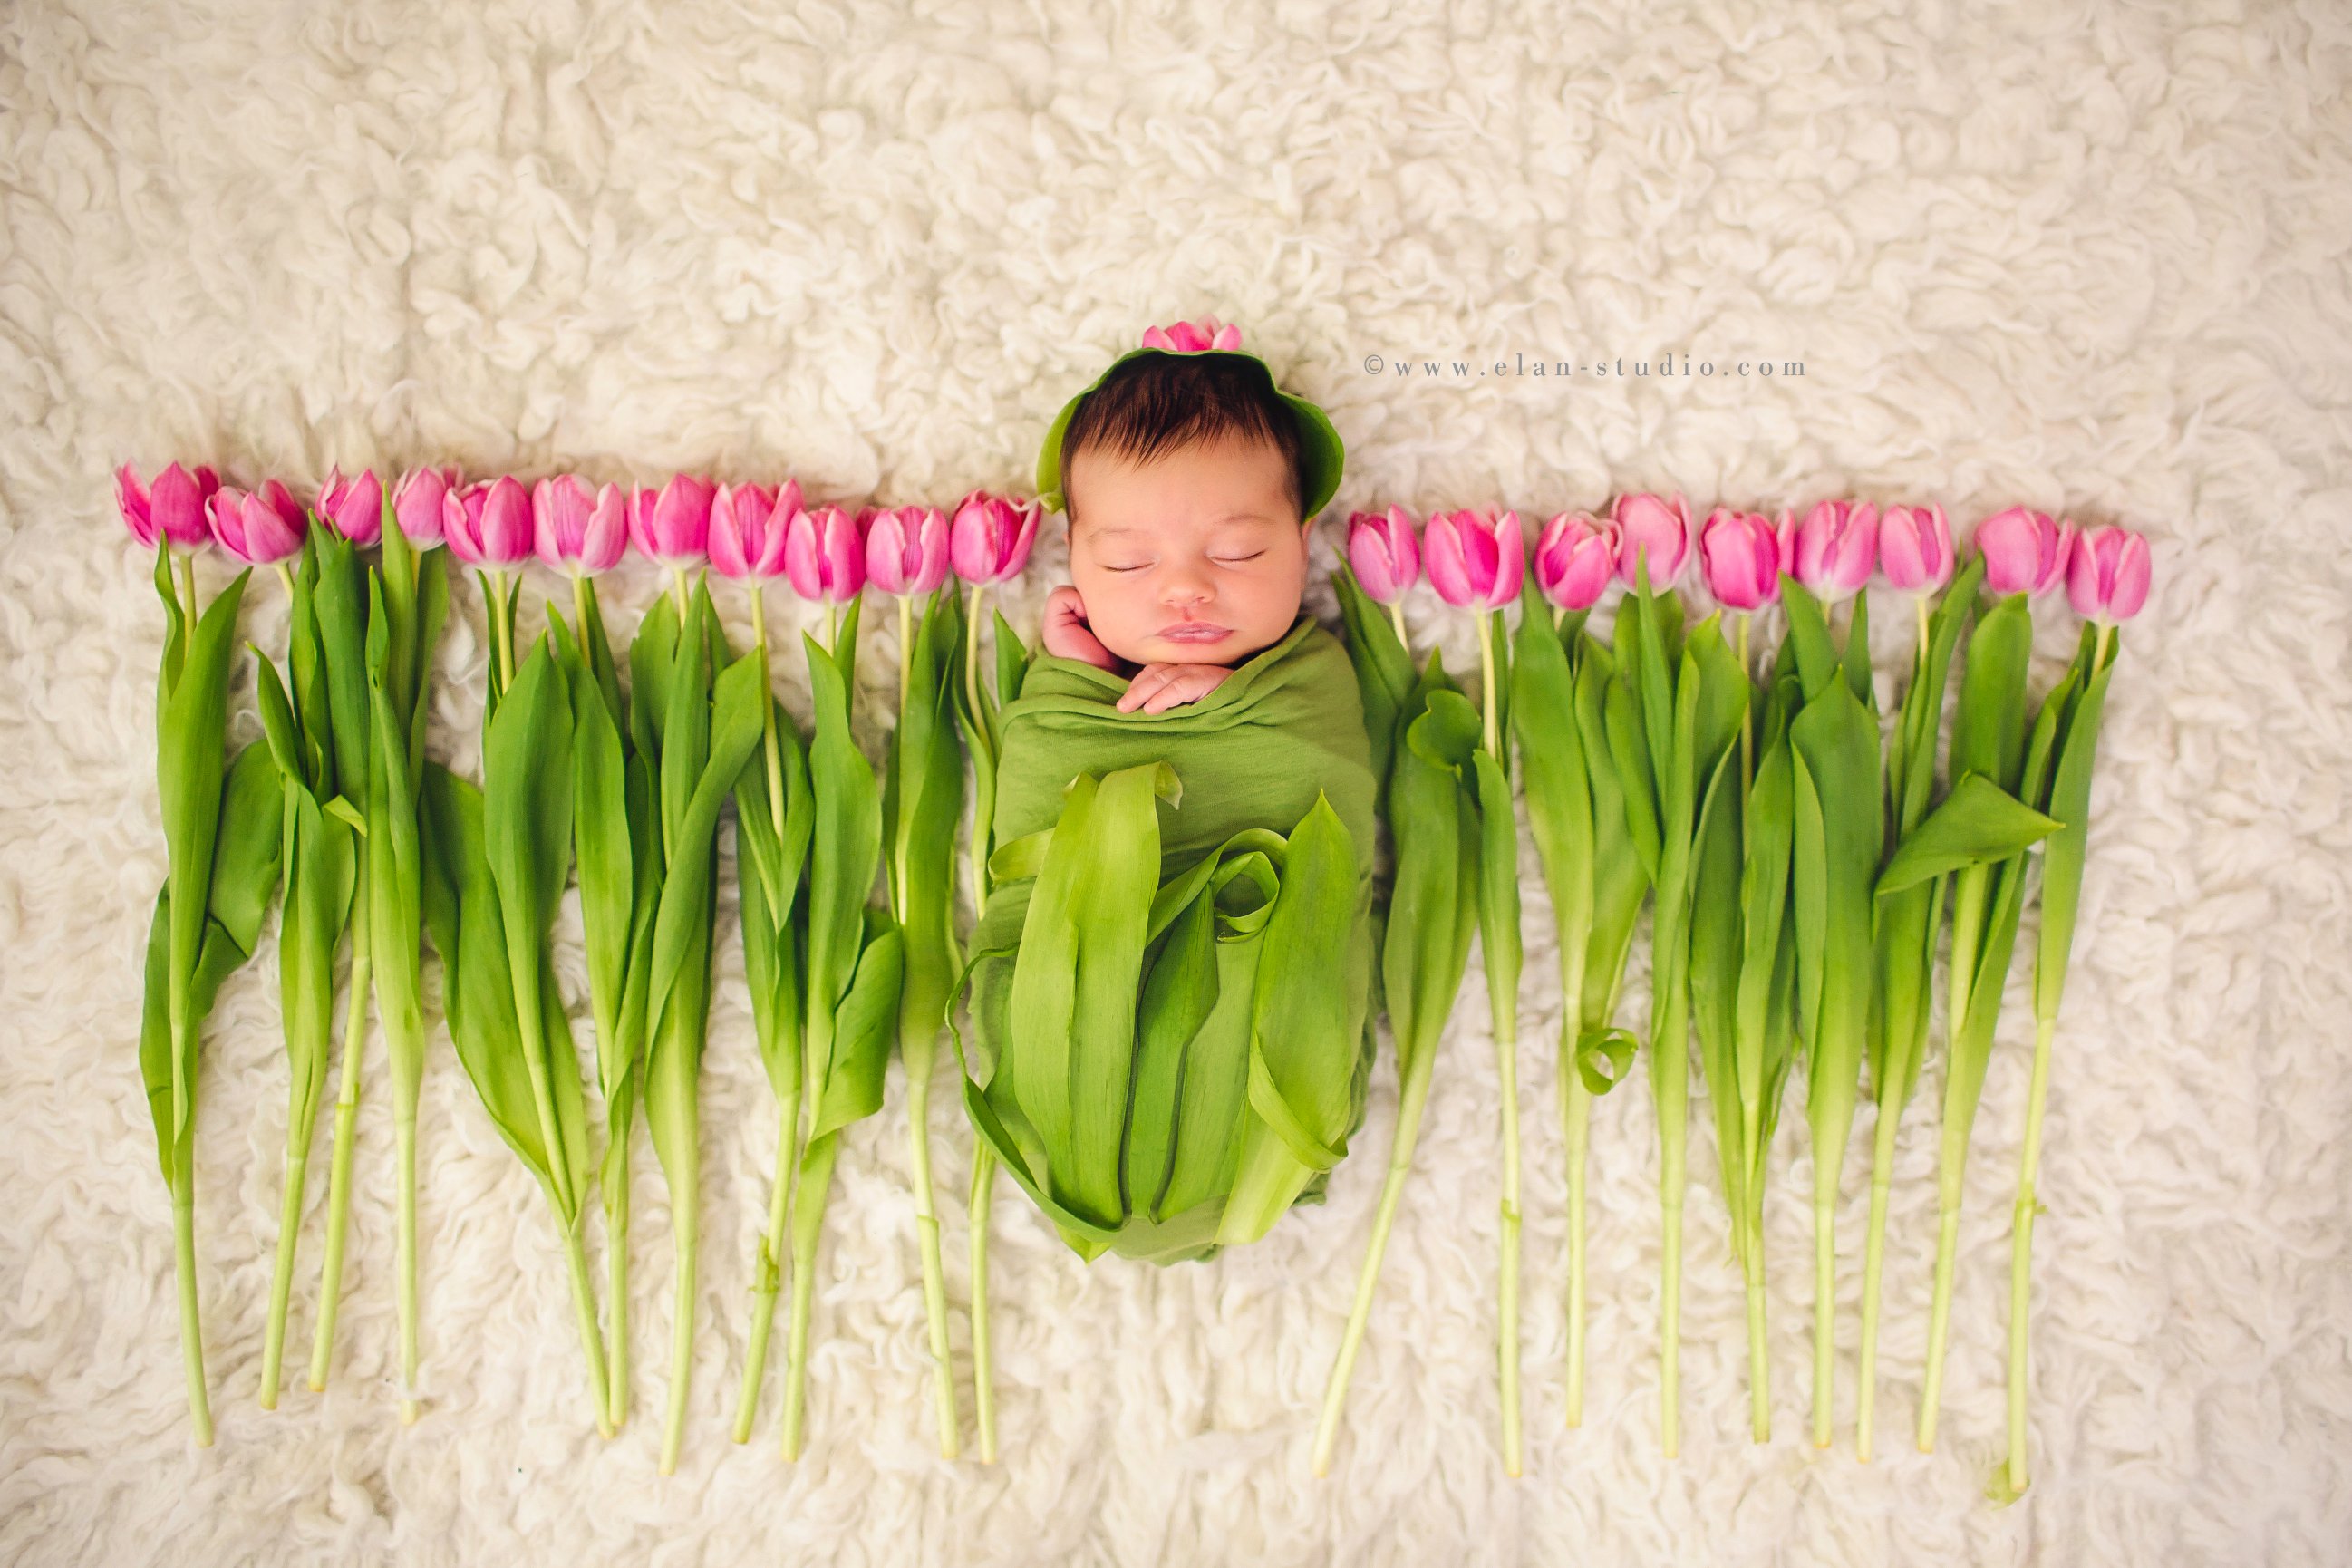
(1320, 456)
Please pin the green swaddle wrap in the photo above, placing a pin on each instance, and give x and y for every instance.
(1170, 986)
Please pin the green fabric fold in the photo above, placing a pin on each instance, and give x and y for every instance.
(1170, 986)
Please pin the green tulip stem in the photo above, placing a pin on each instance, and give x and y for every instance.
(677, 592)
(2021, 1247)
(500, 604)
(1576, 1120)
(1506, 1052)
(616, 1280)
(1825, 1304)
(1746, 719)
(905, 649)
(1939, 1321)
(403, 1130)
(927, 1225)
(774, 757)
(765, 1288)
(192, 1338)
(1413, 1095)
(686, 1230)
(1489, 715)
(188, 586)
(1882, 1165)
(281, 1273)
(983, 1384)
(983, 1161)
(1396, 619)
(1760, 1364)
(347, 1111)
(576, 1260)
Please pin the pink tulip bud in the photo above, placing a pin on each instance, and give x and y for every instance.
(1914, 548)
(1739, 557)
(907, 549)
(421, 503)
(823, 555)
(1475, 559)
(747, 530)
(260, 528)
(2024, 552)
(1653, 529)
(1383, 553)
(574, 530)
(1188, 337)
(353, 507)
(492, 528)
(2107, 574)
(175, 512)
(672, 526)
(1576, 555)
(989, 539)
(1836, 549)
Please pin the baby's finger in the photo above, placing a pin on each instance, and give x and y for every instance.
(1148, 680)
(1179, 687)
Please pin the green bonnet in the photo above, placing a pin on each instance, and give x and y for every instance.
(1321, 454)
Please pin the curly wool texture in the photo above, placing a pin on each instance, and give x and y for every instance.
(2085, 257)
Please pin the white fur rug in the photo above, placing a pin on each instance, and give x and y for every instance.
(2087, 257)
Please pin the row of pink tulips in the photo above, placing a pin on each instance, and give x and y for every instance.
(1475, 558)
(751, 532)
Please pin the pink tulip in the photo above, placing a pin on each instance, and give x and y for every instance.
(421, 504)
(1475, 558)
(2107, 574)
(492, 526)
(989, 539)
(1188, 337)
(1914, 548)
(1836, 549)
(907, 549)
(2024, 552)
(823, 555)
(1576, 554)
(1739, 558)
(175, 512)
(672, 526)
(574, 530)
(1653, 529)
(747, 530)
(1383, 553)
(353, 507)
(260, 528)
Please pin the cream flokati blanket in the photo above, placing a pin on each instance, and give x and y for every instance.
(2091, 259)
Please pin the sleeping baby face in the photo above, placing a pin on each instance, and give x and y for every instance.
(1196, 556)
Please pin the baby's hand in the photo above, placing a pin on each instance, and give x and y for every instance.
(1066, 633)
(1159, 687)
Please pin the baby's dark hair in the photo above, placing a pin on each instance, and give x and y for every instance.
(1165, 402)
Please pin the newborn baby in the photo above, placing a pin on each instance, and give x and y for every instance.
(1183, 485)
